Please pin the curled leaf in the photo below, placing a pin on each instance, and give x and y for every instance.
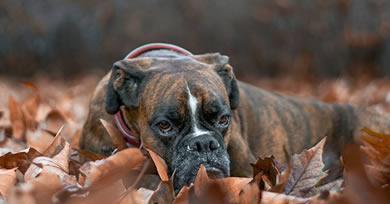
(160, 164)
(104, 171)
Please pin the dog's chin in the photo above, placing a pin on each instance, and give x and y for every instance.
(215, 173)
(186, 178)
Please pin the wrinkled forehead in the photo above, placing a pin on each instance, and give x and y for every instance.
(169, 84)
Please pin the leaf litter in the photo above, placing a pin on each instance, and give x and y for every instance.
(40, 161)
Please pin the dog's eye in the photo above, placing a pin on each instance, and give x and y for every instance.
(164, 126)
(224, 121)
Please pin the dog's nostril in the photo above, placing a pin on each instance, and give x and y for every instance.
(213, 145)
(199, 147)
(204, 145)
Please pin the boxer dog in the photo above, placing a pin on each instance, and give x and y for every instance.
(191, 110)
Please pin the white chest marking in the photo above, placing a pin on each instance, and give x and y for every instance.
(193, 102)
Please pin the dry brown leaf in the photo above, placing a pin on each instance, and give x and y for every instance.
(112, 168)
(39, 190)
(276, 198)
(90, 156)
(160, 164)
(377, 148)
(116, 136)
(109, 194)
(307, 171)
(58, 165)
(141, 196)
(164, 193)
(21, 159)
(268, 170)
(183, 197)
(42, 112)
(17, 119)
(75, 141)
(206, 190)
(358, 188)
(8, 180)
(282, 181)
(54, 121)
(29, 108)
(39, 139)
(56, 145)
(250, 193)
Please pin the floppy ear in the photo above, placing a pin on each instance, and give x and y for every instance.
(225, 71)
(123, 86)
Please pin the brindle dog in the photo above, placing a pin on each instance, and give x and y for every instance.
(191, 110)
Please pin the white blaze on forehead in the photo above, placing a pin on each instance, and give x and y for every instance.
(193, 104)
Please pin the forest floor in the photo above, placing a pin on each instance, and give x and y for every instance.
(40, 161)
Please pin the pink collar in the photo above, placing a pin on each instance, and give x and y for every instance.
(131, 138)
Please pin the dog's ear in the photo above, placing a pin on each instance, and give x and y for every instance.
(124, 84)
(212, 58)
(225, 71)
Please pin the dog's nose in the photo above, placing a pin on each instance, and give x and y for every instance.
(204, 144)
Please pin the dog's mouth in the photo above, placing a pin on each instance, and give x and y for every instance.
(186, 167)
(213, 171)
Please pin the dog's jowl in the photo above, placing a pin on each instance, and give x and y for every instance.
(191, 110)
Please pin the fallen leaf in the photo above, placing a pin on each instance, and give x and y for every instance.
(39, 139)
(276, 198)
(29, 108)
(56, 145)
(250, 193)
(164, 193)
(206, 190)
(160, 164)
(101, 172)
(75, 141)
(358, 188)
(377, 148)
(90, 156)
(268, 170)
(20, 160)
(116, 136)
(141, 196)
(39, 190)
(17, 119)
(58, 165)
(307, 171)
(8, 180)
(54, 121)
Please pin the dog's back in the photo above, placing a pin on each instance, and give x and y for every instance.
(270, 121)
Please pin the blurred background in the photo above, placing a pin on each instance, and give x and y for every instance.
(308, 39)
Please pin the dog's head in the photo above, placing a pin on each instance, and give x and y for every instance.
(181, 107)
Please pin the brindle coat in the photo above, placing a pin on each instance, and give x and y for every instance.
(262, 122)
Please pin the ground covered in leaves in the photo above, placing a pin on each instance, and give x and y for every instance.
(40, 161)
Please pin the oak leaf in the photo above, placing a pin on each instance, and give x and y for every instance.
(306, 172)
